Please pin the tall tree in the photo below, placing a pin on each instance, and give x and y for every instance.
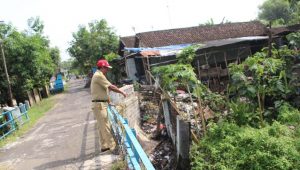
(295, 8)
(91, 43)
(55, 56)
(36, 25)
(71, 65)
(29, 61)
(280, 12)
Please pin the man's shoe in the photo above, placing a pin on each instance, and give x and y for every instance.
(104, 150)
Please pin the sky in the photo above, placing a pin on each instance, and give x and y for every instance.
(127, 17)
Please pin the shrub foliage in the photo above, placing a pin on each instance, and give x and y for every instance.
(228, 146)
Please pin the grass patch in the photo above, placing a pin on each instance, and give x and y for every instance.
(66, 87)
(119, 165)
(35, 113)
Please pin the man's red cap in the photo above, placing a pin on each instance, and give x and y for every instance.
(103, 63)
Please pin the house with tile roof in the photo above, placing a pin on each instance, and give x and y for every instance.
(221, 45)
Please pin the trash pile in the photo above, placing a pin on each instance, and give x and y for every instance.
(189, 108)
(163, 155)
(149, 112)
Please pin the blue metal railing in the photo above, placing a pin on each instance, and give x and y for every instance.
(12, 121)
(128, 142)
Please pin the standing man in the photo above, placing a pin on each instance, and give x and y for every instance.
(99, 91)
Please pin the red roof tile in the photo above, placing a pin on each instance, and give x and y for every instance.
(199, 34)
(128, 41)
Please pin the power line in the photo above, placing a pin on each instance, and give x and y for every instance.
(169, 14)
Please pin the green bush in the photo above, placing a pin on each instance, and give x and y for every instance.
(244, 113)
(228, 146)
(288, 114)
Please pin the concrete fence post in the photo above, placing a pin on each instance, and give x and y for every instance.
(168, 123)
(183, 143)
(16, 112)
(30, 98)
(27, 104)
(36, 95)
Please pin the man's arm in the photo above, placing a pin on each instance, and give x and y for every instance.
(117, 90)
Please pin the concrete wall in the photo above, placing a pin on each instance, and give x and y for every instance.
(131, 68)
(132, 110)
(129, 106)
(117, 98)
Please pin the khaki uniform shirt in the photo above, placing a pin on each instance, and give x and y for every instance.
(99, 86)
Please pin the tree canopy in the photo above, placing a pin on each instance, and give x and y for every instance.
(30, 59)
(92, 43)
(280, 12)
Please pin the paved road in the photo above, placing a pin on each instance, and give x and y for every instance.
(65, 138)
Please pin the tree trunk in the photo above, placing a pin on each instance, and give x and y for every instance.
(260, 109)
(202, 116)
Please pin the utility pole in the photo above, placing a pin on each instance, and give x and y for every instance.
(10, 102)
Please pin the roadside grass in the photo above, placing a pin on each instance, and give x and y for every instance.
(119, 165)
(34, 113)
(66, 87)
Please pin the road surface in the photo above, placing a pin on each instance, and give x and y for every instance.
(65, 138)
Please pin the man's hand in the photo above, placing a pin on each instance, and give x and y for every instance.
(124, 94)
(117, 90)
(114, 88)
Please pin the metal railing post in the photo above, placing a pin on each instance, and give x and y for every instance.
(134, 152)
